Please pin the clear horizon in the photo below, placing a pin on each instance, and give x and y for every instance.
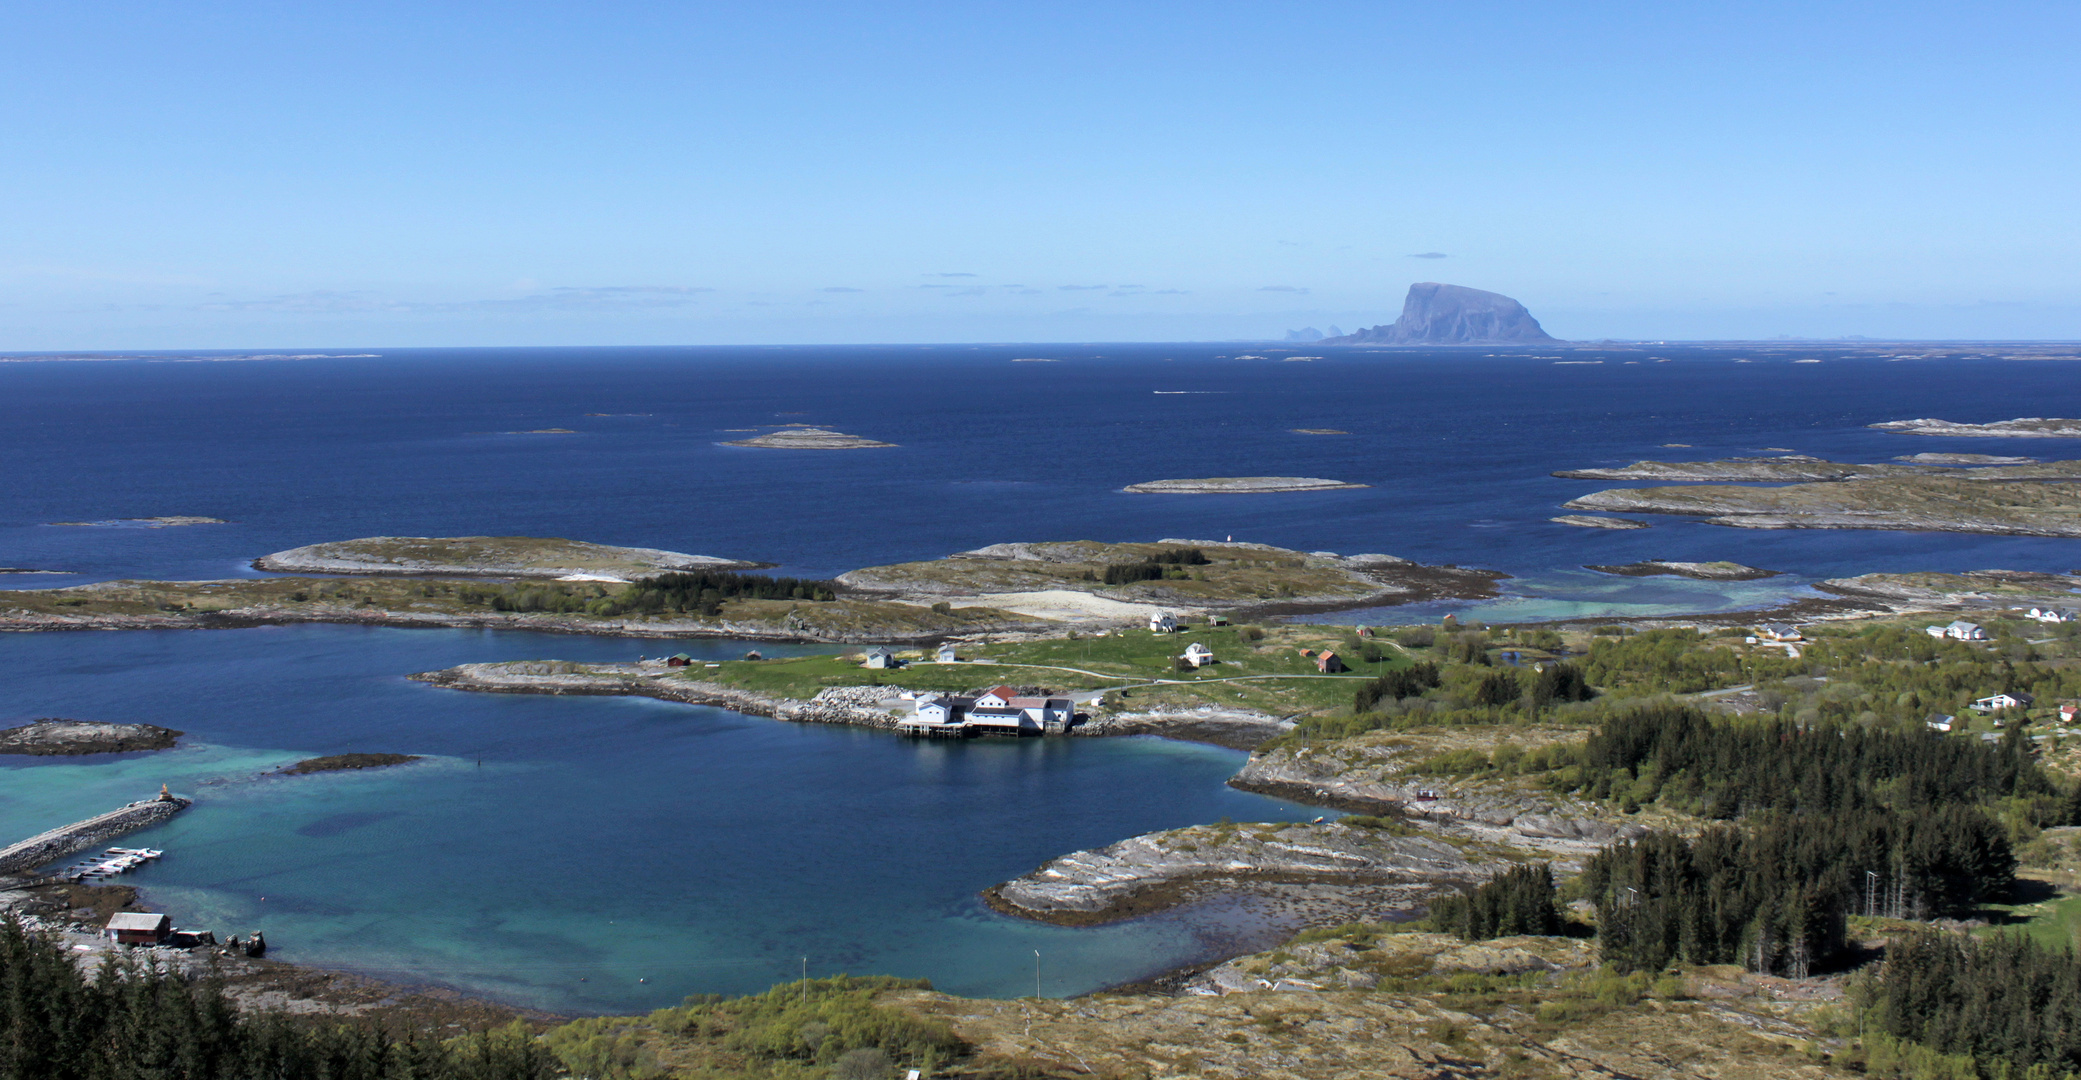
(235, 176)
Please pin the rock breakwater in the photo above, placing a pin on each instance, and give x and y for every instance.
(57, 843)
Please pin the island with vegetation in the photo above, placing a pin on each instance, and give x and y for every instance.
(55, 737)
(1088, 580)
(1945, 503)
(708, 603)
(1239, 485)
(1797, 468)
(486, 556)
(2026, 427)
(346, 762)
(809, 438)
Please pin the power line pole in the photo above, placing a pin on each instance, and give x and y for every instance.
(1036, 973)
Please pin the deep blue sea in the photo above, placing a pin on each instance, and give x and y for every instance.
(554, 851)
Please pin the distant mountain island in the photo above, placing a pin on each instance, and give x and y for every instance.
(1436, 314)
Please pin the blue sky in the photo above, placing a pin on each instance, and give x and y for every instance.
(241, 176)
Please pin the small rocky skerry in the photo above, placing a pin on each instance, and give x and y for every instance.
(53, 737)
(1239, 485)
(1699, 571)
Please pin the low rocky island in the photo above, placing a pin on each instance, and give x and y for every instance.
(171, 521)
(344, 762)
(55, 737)
(1701, 571)
(809, 439)
(2025, 427)
(486, 556)
(1238, 485)
(1319, 431)
(1964, 459)
(29, 570)
(1936, 503)
(1585, 521)
(1798, 468)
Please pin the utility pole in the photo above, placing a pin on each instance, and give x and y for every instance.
(1871, 884)
(805, 980)
(1036, 973)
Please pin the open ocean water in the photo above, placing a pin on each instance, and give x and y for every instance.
(554, 851)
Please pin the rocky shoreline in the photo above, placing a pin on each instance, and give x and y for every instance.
(1152, 872)
(1374, 779)
(858, 705)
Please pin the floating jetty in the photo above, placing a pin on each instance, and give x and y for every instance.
(56, 844)
(115, 860)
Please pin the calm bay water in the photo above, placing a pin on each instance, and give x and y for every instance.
(604, 841)
(548, 840)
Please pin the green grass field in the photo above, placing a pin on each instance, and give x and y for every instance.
(1132, 659)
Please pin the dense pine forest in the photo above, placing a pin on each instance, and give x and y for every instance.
(137, 1023)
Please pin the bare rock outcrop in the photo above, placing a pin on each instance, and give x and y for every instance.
(1142, 873)
(1375, 779)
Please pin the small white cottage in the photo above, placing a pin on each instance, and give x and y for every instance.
(1198, 655)
(1163, 622)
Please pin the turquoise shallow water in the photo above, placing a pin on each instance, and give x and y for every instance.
(555, 851)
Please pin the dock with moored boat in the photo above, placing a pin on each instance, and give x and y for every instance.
(108, 864)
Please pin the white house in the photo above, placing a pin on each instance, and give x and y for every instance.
(2053, 615)
(946, 655)
(1958, 631)
(882, 657)
(1198, 655)
(998, 709)
(1163, 622)
(1941, 722)
(937, 710)
(1994, 702)
(1778, 632)
(2067, 713)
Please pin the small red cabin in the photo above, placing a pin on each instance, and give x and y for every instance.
(139, 928)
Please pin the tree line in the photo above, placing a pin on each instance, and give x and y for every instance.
(680, 592)
(1155, 566)
(136, 1022)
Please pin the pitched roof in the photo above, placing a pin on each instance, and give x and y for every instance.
(1005, 692)
(137, 920)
